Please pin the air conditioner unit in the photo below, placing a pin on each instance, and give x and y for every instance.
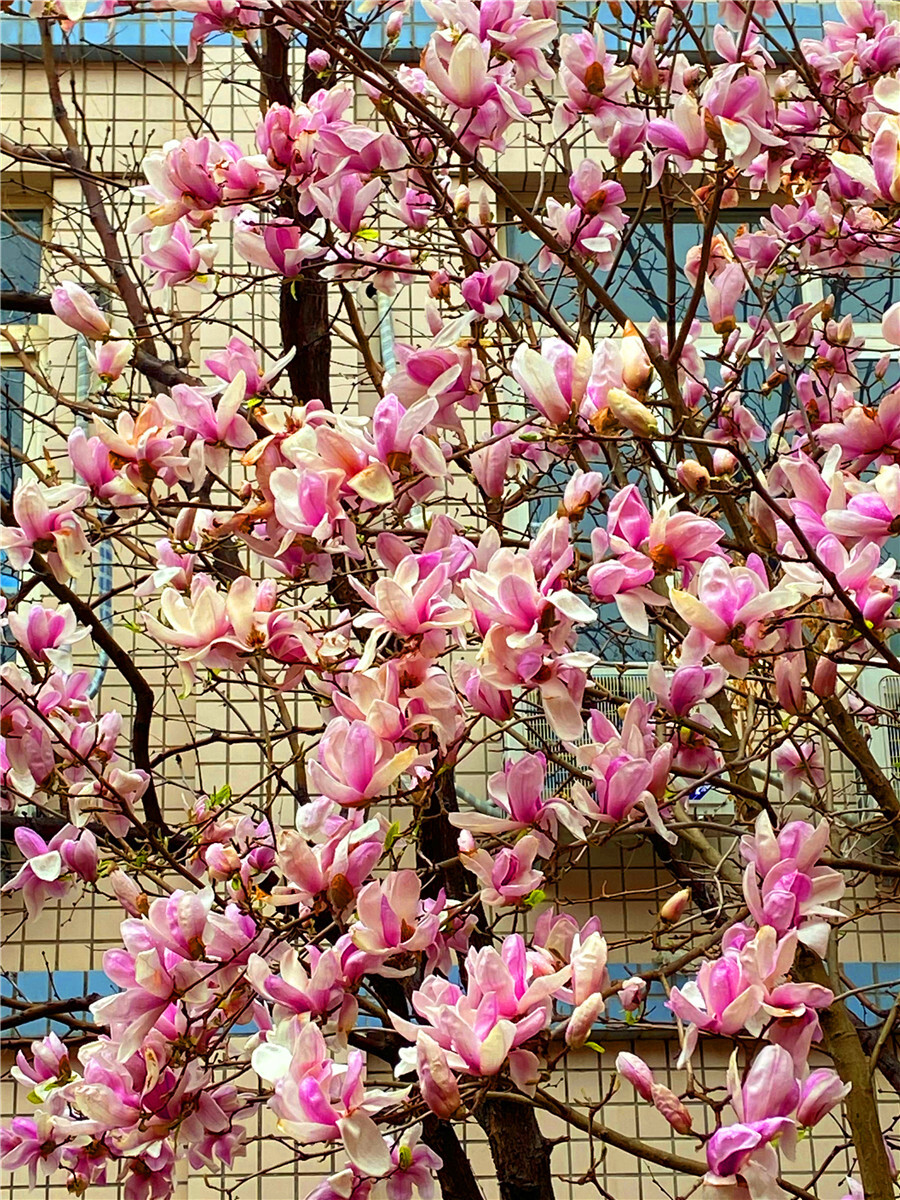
(536, 729)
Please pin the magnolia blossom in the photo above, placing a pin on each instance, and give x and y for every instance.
(48, 633)
(45, 521)
(74, 306)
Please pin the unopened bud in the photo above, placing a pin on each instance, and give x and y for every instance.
(724, 462)
(636, 366)
(461, 201)
(394, 25)
(630, 413)
(666, 1102)
(674, 907)
(692, 475)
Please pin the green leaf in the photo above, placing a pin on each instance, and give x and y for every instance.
(595, 1047)
(391, 836)
(534, 898)
(222, 796)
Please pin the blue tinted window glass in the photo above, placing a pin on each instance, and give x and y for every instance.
(20, 258)
(12, 398)
(640, 280)
(868, 298)
(11, 428)
(159, 37)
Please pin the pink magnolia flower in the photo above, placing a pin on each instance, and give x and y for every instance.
(764, 1105)
(628, 769)
(354, 766)
(589, 979)
(79, 311)
(45, 521)
(801, 766)
(722, 292)
(508, 876)
(416, 598)
(518, 791)
(344, 198)
(743, 112)
(483, 289)
(239, 356)
(36, 1143)
(414, 1167)
(721, 1000)
(682, 137)
(50, 866)
(505, 1004)
(335, 868)
(729, 615)
(171, 252)
(90, 458)
(318, 1100)
(48, 634)
(794, 893)
(109, 359)
(279, 245)
(391, 925)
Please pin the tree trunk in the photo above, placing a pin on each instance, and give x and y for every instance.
(456, 1177)
(851, 1063)
(520, 1151)
(303, 305)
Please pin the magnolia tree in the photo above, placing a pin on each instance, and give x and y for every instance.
(719, 488)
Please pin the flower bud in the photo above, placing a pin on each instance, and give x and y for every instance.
(825, 675)
(636, 366)
(633, 993)
(440, 1090)
(582, 489)
(439, 285)
(692, 475)
(819, 1093)
(319, 60)
(630, 413)
(128, 893)
(675, 906)
(77, 309)
(724, 462)
(394, 25)
(110, 359)
(636, 1071)
(666, 1102)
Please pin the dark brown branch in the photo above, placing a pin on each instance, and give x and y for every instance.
(58, 1010)
(144, 699)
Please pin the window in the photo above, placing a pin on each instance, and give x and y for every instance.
(148, 37)
(12, 402)
(20, 257)
(639, 282)
(11, 428)
(806, 17)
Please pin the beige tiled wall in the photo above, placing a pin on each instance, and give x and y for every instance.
(126, 112)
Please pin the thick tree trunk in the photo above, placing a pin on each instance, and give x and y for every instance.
(850, 1061)
(456, 1177)
(303, 304)
(520, 1151)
